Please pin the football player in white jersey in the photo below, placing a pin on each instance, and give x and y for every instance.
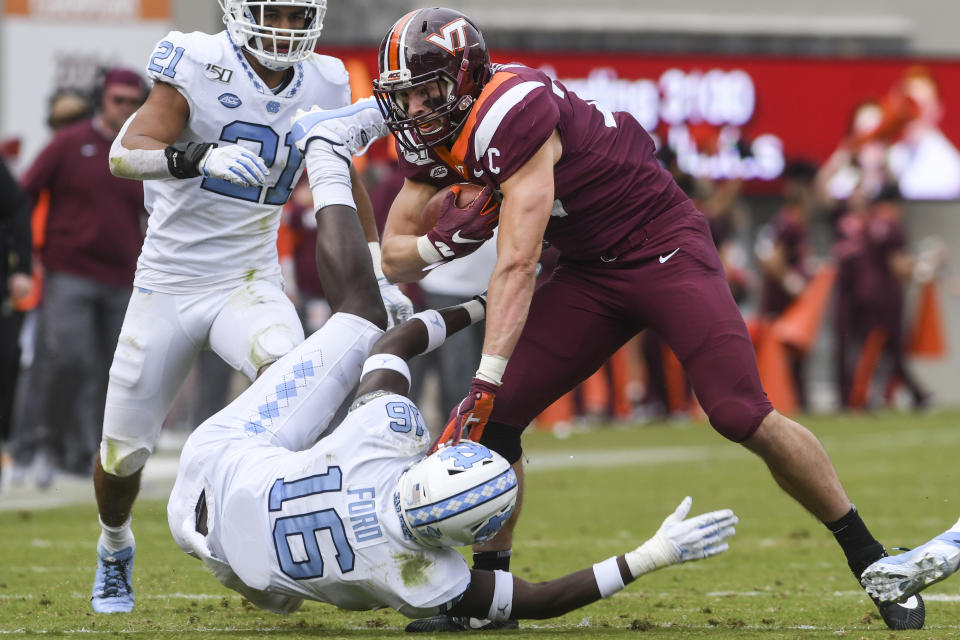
(213, 144)
(364, 519)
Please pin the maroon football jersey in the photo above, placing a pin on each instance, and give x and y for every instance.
(607, 182)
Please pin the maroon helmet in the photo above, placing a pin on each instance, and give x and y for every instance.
(440, 47)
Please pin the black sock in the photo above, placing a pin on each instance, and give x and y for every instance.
(492, 560)
(861, 548)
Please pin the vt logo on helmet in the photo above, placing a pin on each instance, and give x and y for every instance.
(278, 33)
(433, 66)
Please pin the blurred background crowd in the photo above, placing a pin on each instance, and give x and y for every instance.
(820, 142)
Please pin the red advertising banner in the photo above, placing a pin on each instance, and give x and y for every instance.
(746, 116)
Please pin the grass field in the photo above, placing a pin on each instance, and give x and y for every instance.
(596, 494)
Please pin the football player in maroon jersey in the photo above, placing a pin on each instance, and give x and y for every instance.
(634, 253)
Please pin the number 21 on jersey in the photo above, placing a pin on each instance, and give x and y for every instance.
(269, 143)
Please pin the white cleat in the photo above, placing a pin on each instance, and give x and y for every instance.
(896, 578)
(349, 130)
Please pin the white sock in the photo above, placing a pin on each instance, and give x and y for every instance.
(114, 539)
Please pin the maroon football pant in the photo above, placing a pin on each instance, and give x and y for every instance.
(589, 309)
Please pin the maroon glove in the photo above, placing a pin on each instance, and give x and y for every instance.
(459, 232)
(468, 418)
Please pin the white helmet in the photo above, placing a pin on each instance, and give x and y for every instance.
(458, 495)
(244, 20)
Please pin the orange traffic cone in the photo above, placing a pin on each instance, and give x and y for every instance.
(675, 379)
(927, 338)
(799, 324)
(560, 411)
(775, 372)
(866, 367)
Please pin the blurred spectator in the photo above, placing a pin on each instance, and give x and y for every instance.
(67, 106)
(15, 256)
(873, 265)
(783, 253)
(857, 168)
(925, 164)
(92, 235)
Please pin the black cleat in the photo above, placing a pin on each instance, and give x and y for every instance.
(909, 614)
(448, 624)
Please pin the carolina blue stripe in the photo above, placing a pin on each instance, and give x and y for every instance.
(463, 501)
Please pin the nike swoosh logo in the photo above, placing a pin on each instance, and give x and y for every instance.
(461, 240)
(910, 603)
(668, 256)
(478, 174)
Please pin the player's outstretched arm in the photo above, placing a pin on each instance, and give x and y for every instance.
(386, 368)
(146, 147)
(501, 596)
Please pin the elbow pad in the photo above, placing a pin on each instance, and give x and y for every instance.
(184, 161)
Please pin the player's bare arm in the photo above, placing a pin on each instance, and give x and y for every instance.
(411, 339)
(527, 202)
(344, 267)
(159, 121)
(405, 224)
(147, 149)
(500, 595)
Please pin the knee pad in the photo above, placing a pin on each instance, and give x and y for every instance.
(735, 418)
(503, 439)
(270, 345)
(123, 459)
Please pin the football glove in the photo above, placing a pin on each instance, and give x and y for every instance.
(348, 131)
(398, 306)
(235, 164)
(468, 418)
(459, 232)
(679, 540)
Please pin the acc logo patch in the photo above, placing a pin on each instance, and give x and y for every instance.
(229, 100)
(273, 106)
(438, 172)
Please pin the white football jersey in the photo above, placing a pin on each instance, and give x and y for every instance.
(318, 524)
(206, 231)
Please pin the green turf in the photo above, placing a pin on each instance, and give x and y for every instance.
(784, 576)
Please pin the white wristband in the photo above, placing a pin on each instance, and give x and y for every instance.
(502, 604)
(476, 310)
(607, 575)
(428, 252)
(377, 259)
(386, 361)
(491, 368)
(436, 327)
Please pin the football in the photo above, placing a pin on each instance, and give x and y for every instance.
(467, 192)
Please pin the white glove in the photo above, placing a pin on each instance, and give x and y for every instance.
(398, 306)
(235, 164)
(348, 130)
(678, 540)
